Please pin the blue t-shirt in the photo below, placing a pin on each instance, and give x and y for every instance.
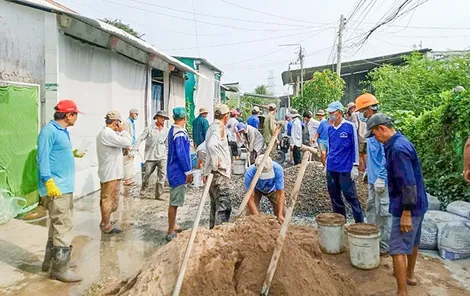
(55, 158)
(269, 185)
(323, 131)
(405, 179)
(343, 150)
(253, 120)
(289, 128)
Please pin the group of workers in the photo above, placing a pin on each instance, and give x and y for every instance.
(396, 202)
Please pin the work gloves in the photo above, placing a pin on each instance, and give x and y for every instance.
(379, 185)
(354, 173)
(78, 155)
(52, 190)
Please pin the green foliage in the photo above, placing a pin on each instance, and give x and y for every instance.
(263, 90)
(417, 85)
(324, 88)
(125, 27)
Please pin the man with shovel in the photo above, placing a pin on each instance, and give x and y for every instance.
(253, 138)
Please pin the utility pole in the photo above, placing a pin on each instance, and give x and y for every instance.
(301, 60)
(342, 23)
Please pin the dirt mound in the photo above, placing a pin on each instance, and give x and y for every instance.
(313, 197)
(233, 259)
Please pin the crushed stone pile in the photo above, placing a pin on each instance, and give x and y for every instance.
(233, 259)
(313, 197)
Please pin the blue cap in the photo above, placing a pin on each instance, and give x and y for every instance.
(179, 113)
(241, 126)
(335, 106)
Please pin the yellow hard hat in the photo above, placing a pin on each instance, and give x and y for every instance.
(366, 100)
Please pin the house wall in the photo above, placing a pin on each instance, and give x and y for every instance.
(204, 94)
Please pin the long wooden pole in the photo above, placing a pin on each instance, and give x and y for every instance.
(258, 171)
(189, 247)
(282, 236)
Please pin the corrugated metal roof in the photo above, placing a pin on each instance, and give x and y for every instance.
(54, 7)
(204, 61)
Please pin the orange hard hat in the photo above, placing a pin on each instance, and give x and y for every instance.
(366, 100)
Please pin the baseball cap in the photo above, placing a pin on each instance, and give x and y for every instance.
(268, 171)
(308, 114)
(376, 120)
(113, 115)
(67, 106)
(162, 114)
(335, 106)
(255, 109)
(203, 110)
(272, 106)
(221, 109)
(179, 113)
(235, 112)
(134, 111)
(241, 126)
(320, 112)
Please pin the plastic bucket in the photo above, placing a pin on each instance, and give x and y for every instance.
(129, 170)
(238, 167)
(331, 232)
(197, 179)
(364, 247)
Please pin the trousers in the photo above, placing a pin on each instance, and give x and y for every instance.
(60, 214)
(377, 213)
(342, 183)
(150, 167)
(297, 155)
(221, 203)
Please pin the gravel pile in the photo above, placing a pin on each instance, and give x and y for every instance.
(313, 199)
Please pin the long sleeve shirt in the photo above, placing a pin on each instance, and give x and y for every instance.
(217, 150)
(296, 138)
(129, 126)
(253, 120)
(375, 161)
(405, 179)
(156, 142)
(200, 126)
(361, 127)
(343, 147)
(254, 138)
(269, 127)
(55, 158)
(231, 125)
(179, 157)
(109, 145)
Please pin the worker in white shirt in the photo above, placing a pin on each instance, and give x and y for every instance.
(109, 144)
(296, 137)
(231, 134)
(156, 152)
(129, 126)
(253, 139)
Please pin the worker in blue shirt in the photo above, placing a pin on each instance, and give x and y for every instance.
(179, 167)
(408, 200)
(321, 136)
(56, 170)
(200, 126)
(378, 201)
(342, 162)
(270, 185)
(253, 120)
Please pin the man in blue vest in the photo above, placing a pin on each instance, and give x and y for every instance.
(179, 167)
(408, 200)
(342, 162)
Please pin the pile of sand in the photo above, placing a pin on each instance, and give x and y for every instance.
(233, 259)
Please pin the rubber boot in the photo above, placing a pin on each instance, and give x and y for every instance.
(46, 264)
(60, 265)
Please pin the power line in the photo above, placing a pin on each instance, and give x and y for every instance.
(195, 29)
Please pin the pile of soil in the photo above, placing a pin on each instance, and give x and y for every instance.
(233, 259)
(313, 197)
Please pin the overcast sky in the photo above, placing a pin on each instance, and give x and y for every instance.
(247, 48)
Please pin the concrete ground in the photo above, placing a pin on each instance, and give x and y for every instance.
(105, 258)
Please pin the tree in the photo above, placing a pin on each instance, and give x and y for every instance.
(125, 27)
(263, 90)
(324, 88)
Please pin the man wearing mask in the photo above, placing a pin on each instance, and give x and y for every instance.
(253, 120)
(378, 200)
(56, 184)
(156, 148)
(129, 126)
(341, 162)
(109, 144)
(219, 164)
(200, 126)
(179, 167)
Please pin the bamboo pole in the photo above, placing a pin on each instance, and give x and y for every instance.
(184, 264)
(282, 235)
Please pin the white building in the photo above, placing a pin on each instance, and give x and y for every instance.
(100, 67)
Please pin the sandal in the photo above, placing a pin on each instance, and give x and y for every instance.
(170, 237)
(411, 282)
(114, 230)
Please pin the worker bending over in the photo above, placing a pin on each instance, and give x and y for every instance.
(253, 139)
(408, 200)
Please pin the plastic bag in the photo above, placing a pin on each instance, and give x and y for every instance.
(429, 231)
(454, 240)
(461, 208)
(10, 206)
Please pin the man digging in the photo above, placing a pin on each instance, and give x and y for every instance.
(270, 185)
(408, 200)
(253, 138)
